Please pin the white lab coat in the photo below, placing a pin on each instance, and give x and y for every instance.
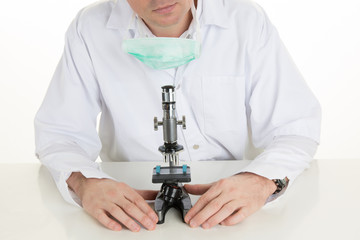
(243, 90)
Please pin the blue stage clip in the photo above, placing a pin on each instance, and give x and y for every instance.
(158, 169)
(184, 169)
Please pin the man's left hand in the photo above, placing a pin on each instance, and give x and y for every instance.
(228, 201)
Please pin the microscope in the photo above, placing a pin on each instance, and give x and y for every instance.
(172, 192)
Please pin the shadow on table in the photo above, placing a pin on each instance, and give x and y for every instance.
(277, 220)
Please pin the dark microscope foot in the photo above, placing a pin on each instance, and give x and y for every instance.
(172, 196)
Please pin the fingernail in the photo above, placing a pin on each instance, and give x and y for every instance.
(205, 226)
(186, 219)
(154, 217)
(117, 228)
(193, 224)
(150, 225)
(136, 228)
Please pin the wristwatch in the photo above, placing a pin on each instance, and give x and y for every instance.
(280, 184)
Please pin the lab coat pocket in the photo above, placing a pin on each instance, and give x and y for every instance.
(224, 104)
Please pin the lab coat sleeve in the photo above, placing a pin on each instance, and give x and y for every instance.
(279, 103)
(285, 156)
(65, 125)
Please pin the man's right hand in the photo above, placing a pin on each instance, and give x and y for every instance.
(112, 203)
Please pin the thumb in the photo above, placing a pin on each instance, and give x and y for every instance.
(197, 189)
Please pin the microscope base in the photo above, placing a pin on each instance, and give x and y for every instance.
(172, 195)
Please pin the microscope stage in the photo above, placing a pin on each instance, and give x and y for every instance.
(171, 174)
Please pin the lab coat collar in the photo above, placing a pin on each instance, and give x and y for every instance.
(121, 16)
(211, 13)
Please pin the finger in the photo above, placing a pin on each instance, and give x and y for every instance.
(203, 201)
(197, 189)
(122, 217)
(147, 194)
(105, 220)
(132, 210)
(236, 217)
(226, 210)
(138, 200)
(209, 210)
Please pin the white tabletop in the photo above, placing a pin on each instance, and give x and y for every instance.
(323, 203)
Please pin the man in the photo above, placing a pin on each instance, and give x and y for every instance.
(236, 84)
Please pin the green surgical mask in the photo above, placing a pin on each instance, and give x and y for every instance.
(165, 52)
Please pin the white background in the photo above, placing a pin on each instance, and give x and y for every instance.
(323, 36)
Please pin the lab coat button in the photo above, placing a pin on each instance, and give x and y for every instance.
(196, 147)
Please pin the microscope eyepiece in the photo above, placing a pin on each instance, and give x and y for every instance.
(168, 94)
(167, 88)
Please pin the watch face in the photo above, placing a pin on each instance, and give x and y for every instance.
(280, 184)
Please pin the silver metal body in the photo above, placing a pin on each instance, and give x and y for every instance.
(169, 122)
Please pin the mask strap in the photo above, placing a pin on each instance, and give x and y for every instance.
(139, 25)
(195, 17)
(132, 20)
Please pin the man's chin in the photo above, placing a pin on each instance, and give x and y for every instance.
(165, 23)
